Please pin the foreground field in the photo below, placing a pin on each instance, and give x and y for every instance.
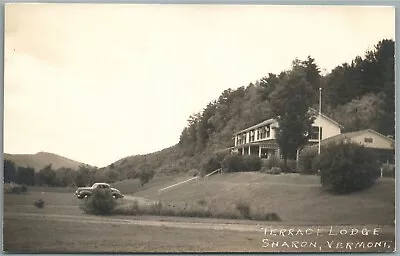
(62, 227)
(60, 234)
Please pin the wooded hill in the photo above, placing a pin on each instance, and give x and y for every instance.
(359, 95)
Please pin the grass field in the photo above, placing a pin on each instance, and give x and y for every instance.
(62, 227)
(295, 198)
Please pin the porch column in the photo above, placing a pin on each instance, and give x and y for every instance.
(259, 151)
(278, 153)
(243, 151)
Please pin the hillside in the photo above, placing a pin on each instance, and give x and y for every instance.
(41, 159)
(359, 95)
(282, 194)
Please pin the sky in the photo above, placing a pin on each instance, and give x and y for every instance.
(96, 83)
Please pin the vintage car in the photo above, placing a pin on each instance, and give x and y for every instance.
(84, 192)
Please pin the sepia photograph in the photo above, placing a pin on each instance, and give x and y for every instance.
(198, 128)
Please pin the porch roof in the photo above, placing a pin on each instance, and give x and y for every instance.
(269, 144)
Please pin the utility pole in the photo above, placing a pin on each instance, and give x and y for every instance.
(319, 127)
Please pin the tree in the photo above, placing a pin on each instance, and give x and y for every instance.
(290, 105)
(47, 176)
(84, 176)
(9, 171)
(363, 113)
(25, 175)
(65, 177)
(145, 176)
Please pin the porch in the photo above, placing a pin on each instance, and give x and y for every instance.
(261, 149)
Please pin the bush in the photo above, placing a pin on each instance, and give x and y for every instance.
(244, 209)
(200, 208)
(213, 162)
(274, 170)
(24, 188)
(291, 165)
(232, 163)
(251, 163)
(272, 161)
(306, 159)
(100, 202)
(12, 188)
(347, 167)
(241, 163)
(272, 216)
(39, 203)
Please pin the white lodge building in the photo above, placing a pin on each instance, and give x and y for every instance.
(260, 138)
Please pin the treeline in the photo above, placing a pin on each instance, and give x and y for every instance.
(85, 175)
(47, 176)
(359, 95)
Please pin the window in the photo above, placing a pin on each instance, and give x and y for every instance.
(261, 133)
(368, 140)
(239, 139)
(314, 133)
(244, 138)
(268, 130)
(252, 134)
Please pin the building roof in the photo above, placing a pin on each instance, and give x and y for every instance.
(272, 120)
(349, 135)
(269, 121)
(326, 117)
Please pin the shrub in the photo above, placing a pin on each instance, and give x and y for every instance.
(39, 203)
(201, 208)
(202, 202)
(241, 163)
(232, 163)
(272, 161)
(275, 170)
(244, 209)
(347, 167)
(272, 216)
(251, 163)
(213, 162)
(12, 188)
(291, 165)
(100, 202)
(24, 188)
(306, 159)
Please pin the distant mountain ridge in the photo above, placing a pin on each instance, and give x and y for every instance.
(41, 159)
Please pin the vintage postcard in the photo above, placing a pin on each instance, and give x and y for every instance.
(198, 128)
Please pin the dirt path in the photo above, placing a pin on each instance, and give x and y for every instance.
(182, 223)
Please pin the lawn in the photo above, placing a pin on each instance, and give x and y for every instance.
(62, 227)
(295, 198)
